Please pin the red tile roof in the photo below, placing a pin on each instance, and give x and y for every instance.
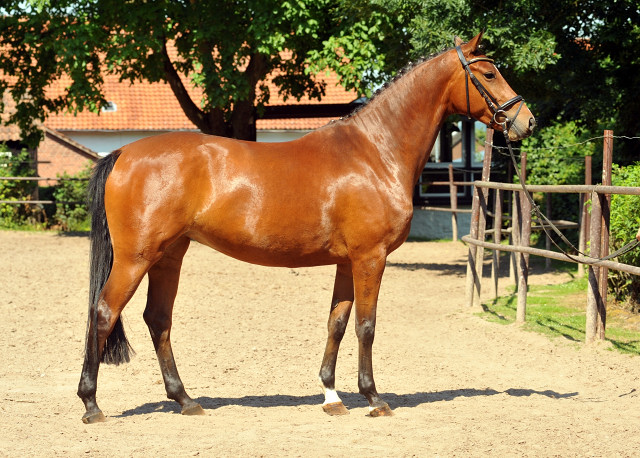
(152, 106)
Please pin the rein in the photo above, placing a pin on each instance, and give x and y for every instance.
(500, 118)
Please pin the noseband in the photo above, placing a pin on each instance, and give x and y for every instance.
(500, 117)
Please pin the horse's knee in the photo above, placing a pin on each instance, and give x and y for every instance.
(366, 330)
(337, 328)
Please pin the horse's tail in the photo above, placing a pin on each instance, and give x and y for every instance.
(117, 348)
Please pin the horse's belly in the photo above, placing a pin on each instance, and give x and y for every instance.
(282, 250)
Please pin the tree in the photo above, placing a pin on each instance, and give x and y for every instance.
(378, 37)
(225, 48)
(571, 60)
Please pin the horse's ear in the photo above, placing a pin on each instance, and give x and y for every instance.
(474, 43)
(457, 41)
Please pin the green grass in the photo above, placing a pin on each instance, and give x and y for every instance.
(558, 311)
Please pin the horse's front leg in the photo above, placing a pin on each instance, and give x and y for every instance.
(367, 274)
(338, 318)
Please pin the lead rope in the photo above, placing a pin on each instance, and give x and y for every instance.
(546, 222)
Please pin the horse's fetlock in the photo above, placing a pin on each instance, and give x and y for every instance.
(366, 384)
(327, 377)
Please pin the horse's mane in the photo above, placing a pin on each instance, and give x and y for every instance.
(401, 73)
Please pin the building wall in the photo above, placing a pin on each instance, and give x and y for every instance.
(54, 158)
(103, 142)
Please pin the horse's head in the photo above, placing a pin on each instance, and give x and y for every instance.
(481, 92)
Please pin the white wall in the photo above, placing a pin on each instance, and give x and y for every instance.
(103, 142)
(280, 135)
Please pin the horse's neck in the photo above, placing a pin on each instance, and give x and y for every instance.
(405, 119)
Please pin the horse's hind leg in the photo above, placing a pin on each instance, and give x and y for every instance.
(122, 283)
(163, 286)
(338, 318)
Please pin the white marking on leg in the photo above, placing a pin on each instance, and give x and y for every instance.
(330, 396)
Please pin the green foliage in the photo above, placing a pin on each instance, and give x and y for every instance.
(376, 38)
(555, 155)
(17, 165)
(624, 224)
(71, 212)
(71, 194)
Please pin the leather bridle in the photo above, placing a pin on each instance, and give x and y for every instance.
(499, 111)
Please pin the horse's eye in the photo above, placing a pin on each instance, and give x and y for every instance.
(490, 75)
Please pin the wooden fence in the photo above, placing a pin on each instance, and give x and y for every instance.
(520, 232)
(453, 200)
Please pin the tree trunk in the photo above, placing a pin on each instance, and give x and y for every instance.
(243, 121)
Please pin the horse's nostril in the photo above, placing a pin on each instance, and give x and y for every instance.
(532, 123)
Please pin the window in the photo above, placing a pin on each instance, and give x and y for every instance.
(109, 107)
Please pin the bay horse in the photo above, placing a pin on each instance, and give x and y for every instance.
(341, 195)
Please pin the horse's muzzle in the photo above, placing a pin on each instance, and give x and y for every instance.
(521, 128)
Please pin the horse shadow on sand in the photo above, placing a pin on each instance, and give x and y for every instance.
(350, 400)
(459, 268)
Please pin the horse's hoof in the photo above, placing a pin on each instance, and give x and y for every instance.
(93, 417)
(335, 408)
(382, 411)
(193, 409)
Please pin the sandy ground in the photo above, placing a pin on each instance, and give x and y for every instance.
(248, 342)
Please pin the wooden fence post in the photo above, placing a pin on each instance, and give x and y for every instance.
(477, 229)
(547, 238)
(605, 202)
(585, 220)
(594, 298)
(497, 237)
(525, 239)
(453, 192)
(514, 237)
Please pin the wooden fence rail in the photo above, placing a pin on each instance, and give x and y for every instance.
(520, 230)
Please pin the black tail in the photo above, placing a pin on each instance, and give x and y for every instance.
(117, 348)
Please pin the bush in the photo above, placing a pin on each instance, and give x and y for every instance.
(551, 159)
(17, 215)
(70, 195)
(625, 221)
